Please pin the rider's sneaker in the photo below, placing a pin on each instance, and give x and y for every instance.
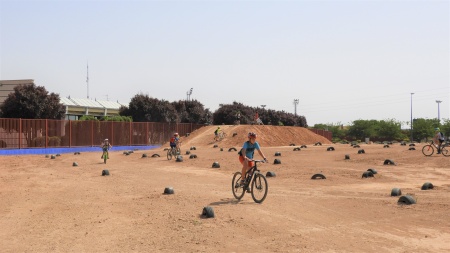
(248, 190)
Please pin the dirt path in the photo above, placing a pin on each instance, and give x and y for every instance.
(50, 206)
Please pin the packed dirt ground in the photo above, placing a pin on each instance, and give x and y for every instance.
(49, 205)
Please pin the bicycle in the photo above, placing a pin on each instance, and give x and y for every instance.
(173, 151)
(259, 186)
(105, 155)
(428, 149)
(220, 136)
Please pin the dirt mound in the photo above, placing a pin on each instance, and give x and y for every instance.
(268, 136)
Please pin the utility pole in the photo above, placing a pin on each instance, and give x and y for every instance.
(87, 79)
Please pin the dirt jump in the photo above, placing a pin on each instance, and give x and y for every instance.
(147, 203)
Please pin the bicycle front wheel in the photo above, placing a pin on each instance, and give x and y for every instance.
(427, 150)
(445, 151)
(237, 189)
(169, 154)
(259, 188)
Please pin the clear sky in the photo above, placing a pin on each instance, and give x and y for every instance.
(342, 60)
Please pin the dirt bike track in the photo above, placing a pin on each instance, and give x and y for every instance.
(48, 205)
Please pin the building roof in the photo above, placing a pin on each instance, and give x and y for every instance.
(84, 102)
(110, 104)
(66, 101)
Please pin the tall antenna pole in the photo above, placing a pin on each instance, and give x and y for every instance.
(87, 79)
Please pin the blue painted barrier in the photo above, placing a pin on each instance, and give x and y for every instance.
(45, 151)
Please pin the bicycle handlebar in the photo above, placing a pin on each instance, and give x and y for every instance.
(258, 161)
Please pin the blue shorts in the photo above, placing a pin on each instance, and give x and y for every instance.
(173, 145)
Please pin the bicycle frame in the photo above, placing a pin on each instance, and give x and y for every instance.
(252, 172)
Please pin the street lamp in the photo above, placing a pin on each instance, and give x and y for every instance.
(188, 94)
(411, 120)
(439, 114)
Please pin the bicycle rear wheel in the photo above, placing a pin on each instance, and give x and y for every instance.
(236, 188)
(169, 154)
(427, 150)
(259, 188)
(445, 151)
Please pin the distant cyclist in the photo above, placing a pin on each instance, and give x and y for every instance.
(216, 134)
(175, 141)
(246, 154)
(106, 146)
(438, 138)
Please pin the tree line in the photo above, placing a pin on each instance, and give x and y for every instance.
(35, 102)
(386, 130)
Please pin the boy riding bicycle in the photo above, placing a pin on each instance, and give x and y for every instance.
(438, 139)
(246, 154)
(105, 147)
(216, 134)
(175, 142)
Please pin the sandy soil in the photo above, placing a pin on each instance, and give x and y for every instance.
(48, 205)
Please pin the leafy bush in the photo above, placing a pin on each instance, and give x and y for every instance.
(38, 142)
(117, 118)
(88, 117)
(54, 141)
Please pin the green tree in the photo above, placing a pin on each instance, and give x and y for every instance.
(361, 129)
(143, 108)
(445, 127)
(389, 130)
(226, 114)
(190, 111)
(32, 102)
(424, 128)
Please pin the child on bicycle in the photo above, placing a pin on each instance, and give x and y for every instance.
(216, 134)
(246, 154)
(438, 139)
(105, 147)
(175, 141)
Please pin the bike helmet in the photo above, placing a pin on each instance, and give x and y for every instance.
(106, 139)
(175, 134)
(251, 135)
(437, 129)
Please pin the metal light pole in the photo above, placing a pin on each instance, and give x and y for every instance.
(411, 120)
(188, 94)
(295, 104)
(439, 114)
